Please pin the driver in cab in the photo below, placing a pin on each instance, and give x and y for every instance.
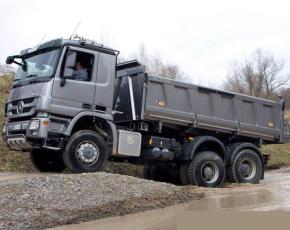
(80, 73)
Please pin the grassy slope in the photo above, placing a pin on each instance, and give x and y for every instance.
(280, 155)
(18, 161)
(9, 160)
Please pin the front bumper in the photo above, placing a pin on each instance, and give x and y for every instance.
(18, 142)
(18, 136)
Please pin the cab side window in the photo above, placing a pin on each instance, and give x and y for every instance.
(83, 66)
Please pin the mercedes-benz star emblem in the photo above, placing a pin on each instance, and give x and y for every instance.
(20, 107)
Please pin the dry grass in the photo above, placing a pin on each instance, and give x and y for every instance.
(10, 160)
(280, 155)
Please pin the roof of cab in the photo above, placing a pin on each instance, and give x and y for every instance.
(80, 42)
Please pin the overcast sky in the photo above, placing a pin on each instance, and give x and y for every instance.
(202, 37)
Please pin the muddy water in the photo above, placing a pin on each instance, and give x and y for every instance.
(272, 194)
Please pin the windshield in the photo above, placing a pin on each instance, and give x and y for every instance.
(40, 64)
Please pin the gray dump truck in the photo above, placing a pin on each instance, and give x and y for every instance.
(72, 106)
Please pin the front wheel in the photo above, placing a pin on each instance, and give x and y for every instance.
(246, 167)
(45, 160)
(86, 151)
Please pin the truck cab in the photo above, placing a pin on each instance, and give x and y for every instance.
(48, 102)
(45, 86)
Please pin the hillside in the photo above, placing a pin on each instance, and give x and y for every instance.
(6, 70)
(18, 161)
(9, 160)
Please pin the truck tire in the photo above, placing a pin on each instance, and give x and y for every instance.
(155, 172)
(149, 171)
(183, 174)
(207, 169)
(246, 167)
(162, 172)
(86, 151)
(45, 160)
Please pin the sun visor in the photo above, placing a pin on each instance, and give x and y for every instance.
(50, 44)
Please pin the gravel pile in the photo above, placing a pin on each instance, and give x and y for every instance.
(48, 201)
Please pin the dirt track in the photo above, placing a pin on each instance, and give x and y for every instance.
(37, 201)
(44, 200)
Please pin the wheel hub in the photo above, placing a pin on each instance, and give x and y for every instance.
(248, 168)
(210, 172)
(87, 153)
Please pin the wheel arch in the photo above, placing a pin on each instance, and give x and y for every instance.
(235, 148)
(86, 120)
(203, 143)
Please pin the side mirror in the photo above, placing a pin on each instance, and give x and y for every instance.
(9, 60)
(70, 61)
(69, 66)
(67, 73)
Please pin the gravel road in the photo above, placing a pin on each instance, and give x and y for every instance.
(36, 201)
(271, 195)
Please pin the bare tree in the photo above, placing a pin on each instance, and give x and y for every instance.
(155, 65)
(285, 93)
(258, 75)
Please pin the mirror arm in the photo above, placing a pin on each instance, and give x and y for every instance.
(18, 63)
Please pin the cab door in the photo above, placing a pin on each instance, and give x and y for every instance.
(75, 95)
(105, 83)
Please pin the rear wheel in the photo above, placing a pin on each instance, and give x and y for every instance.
(183, 173)
(207, 169)
(164, 172)
(86, 151)
(246, 167)
(45, 160)
(149, 171)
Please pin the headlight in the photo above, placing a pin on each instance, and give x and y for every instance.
(42, 114)
(4, 128)
(34, 125)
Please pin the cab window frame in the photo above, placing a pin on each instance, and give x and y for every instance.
(83, 51)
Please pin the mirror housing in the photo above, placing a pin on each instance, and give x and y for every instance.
(67, 73)
(70, 61)
(62, 82)
(9, 60)
(71, 57)
(24, 67)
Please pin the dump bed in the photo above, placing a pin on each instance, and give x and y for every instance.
(151, 98)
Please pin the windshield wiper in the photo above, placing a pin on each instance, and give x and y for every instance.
(31, 81)
(31, 75)
(28, 76)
